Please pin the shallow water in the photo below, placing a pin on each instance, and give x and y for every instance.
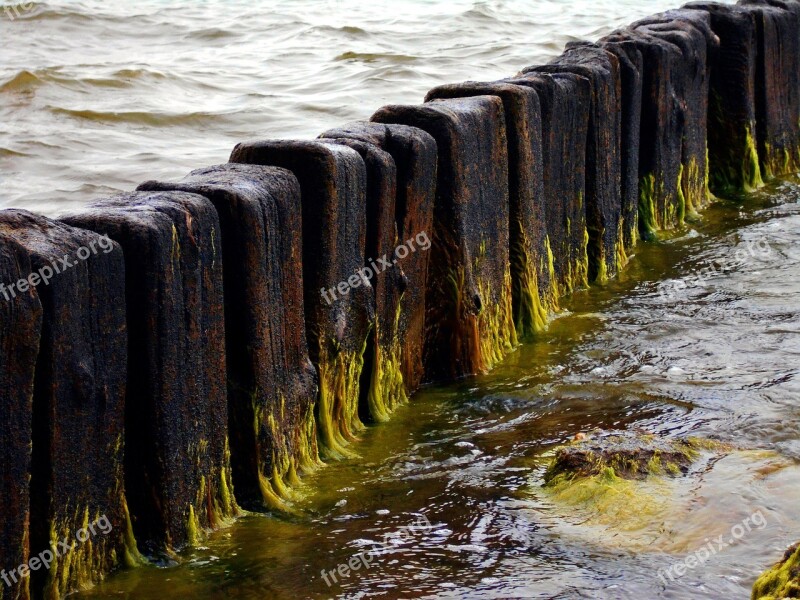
(445, 501)
(100, 96)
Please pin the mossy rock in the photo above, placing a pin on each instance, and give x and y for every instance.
(782, 580)
(629, 455)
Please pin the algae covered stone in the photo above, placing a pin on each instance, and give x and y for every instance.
(630, 455)
(782, 580)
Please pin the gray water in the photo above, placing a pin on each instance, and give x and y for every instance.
(97, 96)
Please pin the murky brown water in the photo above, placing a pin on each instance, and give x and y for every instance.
(99, 96)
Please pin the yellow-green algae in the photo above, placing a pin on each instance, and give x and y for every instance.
(289, 459)
(552, 294)
(740, 173)
(214, 505)
(532, 307)
(621, 255)
(693, 187)
(647, 207)
(338, 422)
(86, 563)
(777, 162)
(488, 336)
(387, 388)
(621, 491)
(608, 499)
(675, 208)
(496, 332)
(782, 580)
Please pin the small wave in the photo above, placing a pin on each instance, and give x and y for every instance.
(348, 29)
(139, 74)
(21, 82)
(369, 57)
(27, 81)
(40, 11)
(8, 152)
(154, 119)
(212, 33)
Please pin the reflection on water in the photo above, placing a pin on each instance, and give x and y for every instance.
(717, 360)
(99, 96)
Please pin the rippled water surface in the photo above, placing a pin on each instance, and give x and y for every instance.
(98, 96)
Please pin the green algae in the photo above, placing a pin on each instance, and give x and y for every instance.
(740, 171)
(387, 388)
(608, 499)
(647, 207)
(782, 580)
(337, 409)
(487, 335)
(553, 293)
(84, 564)
(531, 306)
(620, 253)
(497, 334)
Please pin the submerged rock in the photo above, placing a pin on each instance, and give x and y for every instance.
(272, 385)
(624, 481)
(469, 309)
(782, 580)
(628, 455)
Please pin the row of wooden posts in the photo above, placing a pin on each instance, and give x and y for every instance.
(192, 362)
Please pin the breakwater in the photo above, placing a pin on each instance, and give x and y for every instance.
(521, 212)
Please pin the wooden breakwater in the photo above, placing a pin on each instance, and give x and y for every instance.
(172, 354)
